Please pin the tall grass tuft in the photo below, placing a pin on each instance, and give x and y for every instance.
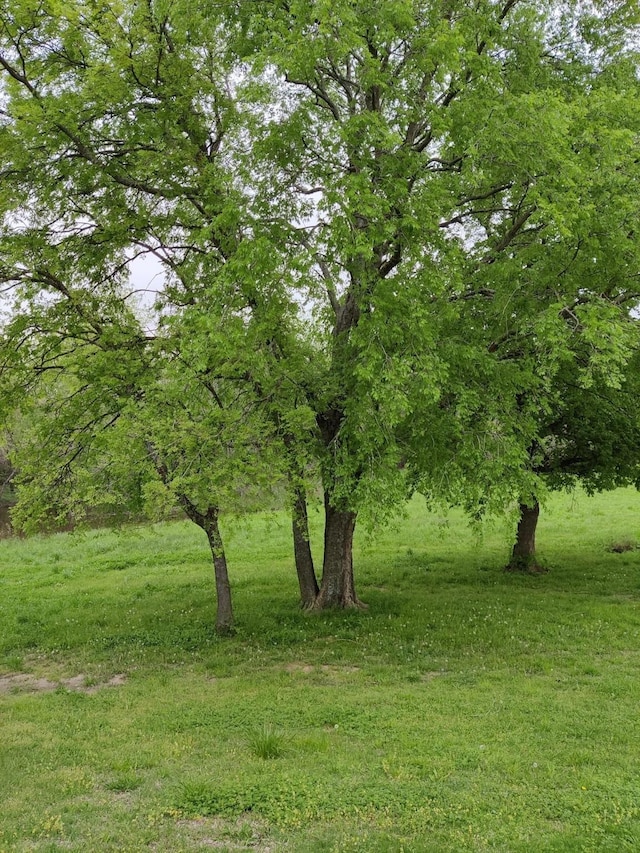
(267, 743)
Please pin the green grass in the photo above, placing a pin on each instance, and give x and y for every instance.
(267, 743)
(468, 709)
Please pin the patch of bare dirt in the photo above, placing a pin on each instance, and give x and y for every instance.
(429, 676)
(22, 682)
(329, 669)
(296, 666)
(216, 833)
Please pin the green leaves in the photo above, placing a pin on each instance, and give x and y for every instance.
(386, 230)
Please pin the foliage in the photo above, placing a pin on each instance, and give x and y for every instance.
(165, 444)
(592, 436)
(384, 230)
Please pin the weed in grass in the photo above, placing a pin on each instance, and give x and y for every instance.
(623, 546)
(75, 781)
(51, 826)
(267, 743)
(202, 799)
(124, 782)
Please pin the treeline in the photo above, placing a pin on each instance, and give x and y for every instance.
(399, 253)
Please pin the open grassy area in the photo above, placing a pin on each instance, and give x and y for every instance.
(466, 710)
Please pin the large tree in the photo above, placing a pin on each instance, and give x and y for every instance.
(357, 194)
(449, 150)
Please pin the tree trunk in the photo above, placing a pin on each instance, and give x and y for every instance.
(208, 521)
(302, 551)
(5, 521)
(337, 588)
(224, 612)
(523, 556)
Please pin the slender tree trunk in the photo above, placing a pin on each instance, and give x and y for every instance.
(337, 588)
(302, 550)
(208, 521)
(523, 556)
(224, 612)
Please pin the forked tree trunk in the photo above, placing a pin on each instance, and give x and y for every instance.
(523, 556)
(302, 550)
(337, 588)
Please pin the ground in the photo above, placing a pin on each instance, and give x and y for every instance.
(466, 710)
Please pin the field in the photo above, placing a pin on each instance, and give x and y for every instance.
(466, 710)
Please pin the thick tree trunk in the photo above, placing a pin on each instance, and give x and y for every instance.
(523, 556)
(5, 521)
(337, 588)
(302, 551)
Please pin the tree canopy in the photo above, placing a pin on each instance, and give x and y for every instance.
(383, 227)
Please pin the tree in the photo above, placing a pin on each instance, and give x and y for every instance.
(352, 190)
(567, 327)
(446, 149)
(130, 431)
(591, 437)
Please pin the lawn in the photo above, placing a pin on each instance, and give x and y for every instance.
(467, 709)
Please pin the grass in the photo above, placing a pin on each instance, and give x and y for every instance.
(466, 710)
(267, 743)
